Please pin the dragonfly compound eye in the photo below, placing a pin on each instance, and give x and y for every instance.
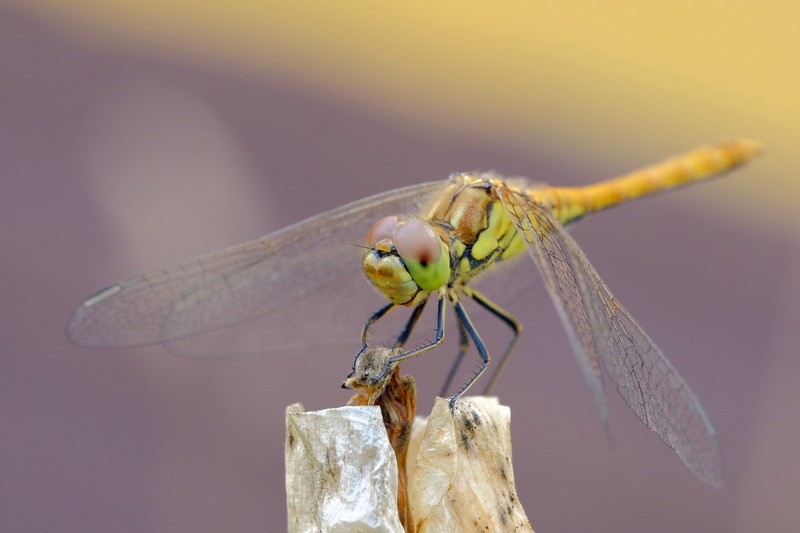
(424, 254)
(383, 229)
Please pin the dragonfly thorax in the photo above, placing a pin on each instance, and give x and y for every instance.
(479, 230)
(406, 259)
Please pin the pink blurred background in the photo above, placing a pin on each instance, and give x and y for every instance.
(118, 159)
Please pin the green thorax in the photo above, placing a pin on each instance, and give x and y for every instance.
(480, 231)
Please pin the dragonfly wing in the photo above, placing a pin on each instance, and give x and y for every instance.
(644, 377)
(559, 278)
(252, 298)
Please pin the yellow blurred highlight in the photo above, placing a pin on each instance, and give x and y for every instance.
(625, 81)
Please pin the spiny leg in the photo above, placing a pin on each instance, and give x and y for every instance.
(418, 351)
(461, 313)
(412, 320)
(463, 346)
(511, 322)
(374, 317)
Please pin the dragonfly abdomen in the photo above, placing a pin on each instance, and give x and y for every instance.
(571, 203)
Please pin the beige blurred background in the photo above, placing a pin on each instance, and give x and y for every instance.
(135, 134)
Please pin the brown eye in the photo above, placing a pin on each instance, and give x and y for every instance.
(417, 241)
(383, 229)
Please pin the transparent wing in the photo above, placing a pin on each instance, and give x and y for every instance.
(603, 333)
(298, 287)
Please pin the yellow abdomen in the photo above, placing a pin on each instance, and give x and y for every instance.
(571, 203)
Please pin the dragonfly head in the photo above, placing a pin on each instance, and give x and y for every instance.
(406, 259)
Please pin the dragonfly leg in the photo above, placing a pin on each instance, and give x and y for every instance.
(511, 322)
(463, 346)
(374, 317)
(412, 320)
(462, 316)
(418, 351)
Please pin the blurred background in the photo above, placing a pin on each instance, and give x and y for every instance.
(136, 134)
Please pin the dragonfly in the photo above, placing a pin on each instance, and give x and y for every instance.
(302, 286)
